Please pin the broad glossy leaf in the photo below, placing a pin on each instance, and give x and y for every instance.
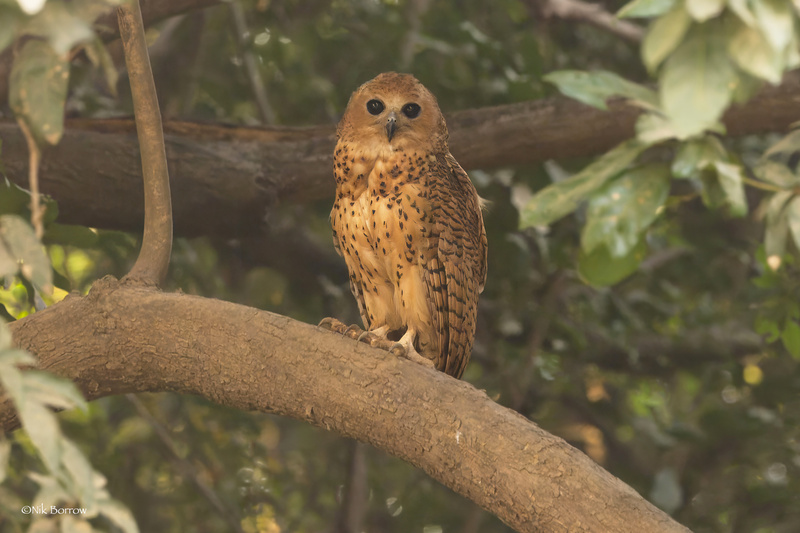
(560, 199)
(776, 20)
(791, 338)
(26, 249)
(697, 82)
(594, 88)
(600, 269)
(645, 8)
(752, 52)
(702, 10)
(776, 173)
(730, 178)
(663, 37)
(38, 90)
(624, 208)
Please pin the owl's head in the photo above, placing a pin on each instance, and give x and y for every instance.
(394, 110)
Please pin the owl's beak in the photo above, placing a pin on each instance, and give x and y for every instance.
(391, 125)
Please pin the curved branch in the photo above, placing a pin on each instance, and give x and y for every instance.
(126, 338)
(153, 260)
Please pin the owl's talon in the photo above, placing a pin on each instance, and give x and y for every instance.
(367, 337)
(398, 350)
(353, 331)
(332, 324)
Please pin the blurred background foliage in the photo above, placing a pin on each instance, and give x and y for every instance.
(679, 379)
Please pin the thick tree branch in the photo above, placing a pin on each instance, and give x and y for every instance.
(123, 338)
(153, 261)
(226, 179)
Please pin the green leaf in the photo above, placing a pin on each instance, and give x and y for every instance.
(776, 20)
(98, 55)
(38, 90)
(776, 173)
(15, 200)
(79, 236)
(563, 197)
(11, 377)
(752, 52)
(730, 178)
(8, 265)
(42, 428)
(5, 453)
(702, 10)
(59, 25)
(791, 338)
(777, 228)
(788, 145)
(624, 208)
(119, 515)
(25, 248)
(793, 219)
(653, 128)
(664, 35)
(600, 269)
(697, 154)
(52, 390)
(9, 19)
(594, 88)
(645, 8)
(697, 82)
(81, 474)
(740, 7)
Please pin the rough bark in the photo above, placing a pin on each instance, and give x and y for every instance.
(226, 179)
(123, 338)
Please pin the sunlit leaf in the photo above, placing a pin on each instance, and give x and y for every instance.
(652, 128)
(71, 524)
(81, 474)
(57, 23)
(702, 10)
(25, 248)
(788, 144)
(600, 269)
(624, 208)
(42, 428)
(52, 390)
(776, 173)
(697, 82)
(793, 219)
(38, 90)
(118, 514)
(663, 37)
(752, 53)
(730, 178)
(98, 55)
(776, 20)
(697, 154)
(777, 226)
(560, 199)
(594, 88)
(645, 8)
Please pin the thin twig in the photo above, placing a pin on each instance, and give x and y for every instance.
(34, 158)
(153, 261)
(251, 65)
(593, 14)
(186, 469)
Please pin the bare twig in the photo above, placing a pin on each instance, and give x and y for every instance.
(153, 261)
(184, 467)
(251, 65)
(34, 158)
(593, 14)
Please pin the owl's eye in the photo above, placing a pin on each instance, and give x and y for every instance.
(411, 110)
(375, 107)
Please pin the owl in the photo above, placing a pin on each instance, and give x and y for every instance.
(408, 222)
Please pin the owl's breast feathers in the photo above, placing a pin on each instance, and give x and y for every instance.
(410, 229)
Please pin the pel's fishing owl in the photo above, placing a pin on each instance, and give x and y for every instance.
(408, 222)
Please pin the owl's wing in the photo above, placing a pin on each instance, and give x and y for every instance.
(457, 273)
(356, 286)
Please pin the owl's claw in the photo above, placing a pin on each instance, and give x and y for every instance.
(332, 324)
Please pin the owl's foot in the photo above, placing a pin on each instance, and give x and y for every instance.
(377, 338)
(405, 348)
(337, 326)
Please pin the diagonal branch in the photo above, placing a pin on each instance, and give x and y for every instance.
(122, 338)
(153, 261)
(593, 14)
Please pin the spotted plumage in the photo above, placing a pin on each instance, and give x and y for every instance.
(408, 222)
